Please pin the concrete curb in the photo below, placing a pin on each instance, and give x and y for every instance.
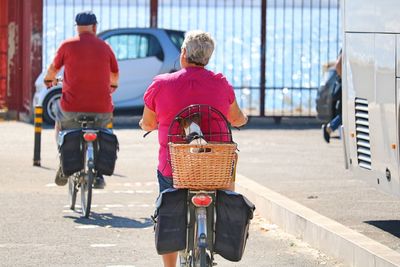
(318, 231)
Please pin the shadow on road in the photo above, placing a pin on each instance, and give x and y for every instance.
(110, 220)
(390, 226)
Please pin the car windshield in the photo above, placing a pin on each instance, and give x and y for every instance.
(176, 37)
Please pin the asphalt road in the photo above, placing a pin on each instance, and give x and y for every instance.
(38, 229)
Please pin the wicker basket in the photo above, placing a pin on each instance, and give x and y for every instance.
(210, 166)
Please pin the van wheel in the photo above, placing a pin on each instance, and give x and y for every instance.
(49, 106)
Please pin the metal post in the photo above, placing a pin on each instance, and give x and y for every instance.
(38, 134)
(153, 13)
(263, 55)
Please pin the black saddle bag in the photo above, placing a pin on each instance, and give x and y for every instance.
(71, 152)
(106, 154)
(170, 221)
(234, 213)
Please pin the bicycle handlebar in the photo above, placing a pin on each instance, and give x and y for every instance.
(146, 134)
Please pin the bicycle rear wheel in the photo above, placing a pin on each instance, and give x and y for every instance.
(72, 192)
(86, 192)
(203, 258)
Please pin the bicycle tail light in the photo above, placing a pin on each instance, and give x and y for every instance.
(90, 137)
(201, 200)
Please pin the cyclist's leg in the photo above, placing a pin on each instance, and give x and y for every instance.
(164, 183)
(169, 259)
(103, 120)
(61, 123)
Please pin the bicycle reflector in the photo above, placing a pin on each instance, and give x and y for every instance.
(90, 137)
(201, 200)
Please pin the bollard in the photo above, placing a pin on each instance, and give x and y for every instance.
(38, 120)
(110, 125)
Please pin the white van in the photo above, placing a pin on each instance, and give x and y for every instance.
(371, 91)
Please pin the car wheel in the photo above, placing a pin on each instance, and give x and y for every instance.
(49, 106)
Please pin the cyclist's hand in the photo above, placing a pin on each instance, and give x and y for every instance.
(113, 88)
(49, 83)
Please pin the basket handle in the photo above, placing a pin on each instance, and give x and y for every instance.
(195, 150)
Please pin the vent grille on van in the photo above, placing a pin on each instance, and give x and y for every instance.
(362, 133)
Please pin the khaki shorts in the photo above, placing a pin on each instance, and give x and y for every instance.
(67, 120)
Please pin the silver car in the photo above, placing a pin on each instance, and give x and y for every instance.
(142, 53)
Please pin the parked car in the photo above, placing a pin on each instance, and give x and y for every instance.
(326, 109)
(142, 53)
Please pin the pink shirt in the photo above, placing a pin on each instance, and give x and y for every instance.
(172, 92)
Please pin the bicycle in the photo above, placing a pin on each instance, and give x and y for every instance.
(87, 152)
(201, 135)
(84, 179)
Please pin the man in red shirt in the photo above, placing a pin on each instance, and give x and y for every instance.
(90, 77)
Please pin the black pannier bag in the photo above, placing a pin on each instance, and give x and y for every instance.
(234, 213)
(170, 221)
(71, 151)
(106, 154)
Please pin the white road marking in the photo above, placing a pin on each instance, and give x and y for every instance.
(127, 184)
(114, 205)
(86, 226)
(138, 205)
(144, 191)
(125, 192)
(102, 245)
(51, 185)
(138, 183)
(120, 266)
(98, 192)
(67, 211)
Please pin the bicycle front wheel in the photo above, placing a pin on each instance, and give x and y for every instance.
(86, 192)
(72, 192)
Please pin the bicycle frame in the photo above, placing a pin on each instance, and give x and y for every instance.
(200, 232)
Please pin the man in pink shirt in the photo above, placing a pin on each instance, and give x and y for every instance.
(170, 93)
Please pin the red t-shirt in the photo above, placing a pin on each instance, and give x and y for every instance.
(88, 62)
(170, 93)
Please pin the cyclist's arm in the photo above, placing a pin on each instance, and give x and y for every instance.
(114, 78)
(50, 76)
(236, 116)
(149, 120)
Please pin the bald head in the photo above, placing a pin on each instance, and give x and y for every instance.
(87, 28)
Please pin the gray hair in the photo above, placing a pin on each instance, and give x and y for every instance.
(199, 47)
